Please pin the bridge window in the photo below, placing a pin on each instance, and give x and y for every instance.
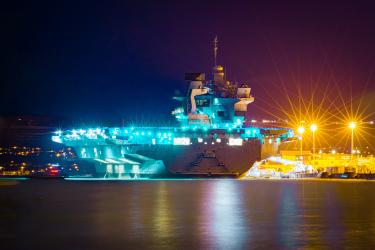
(203, 102)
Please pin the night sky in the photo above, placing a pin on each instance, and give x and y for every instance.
(113, 60)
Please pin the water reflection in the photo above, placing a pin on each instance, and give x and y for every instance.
(288, 217)
(204, 214)
(311, 220)
(162, 217)
(223, 223)
(331, 214)
(134, 213)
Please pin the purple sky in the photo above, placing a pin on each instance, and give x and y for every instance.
(108, 60)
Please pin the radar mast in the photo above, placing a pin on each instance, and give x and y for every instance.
(215, 50)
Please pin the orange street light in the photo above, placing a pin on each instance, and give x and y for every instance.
(313, 128)
(352, 126)
(301, 130)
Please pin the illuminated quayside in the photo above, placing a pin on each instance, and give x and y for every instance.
(349, 163)
(210, 141)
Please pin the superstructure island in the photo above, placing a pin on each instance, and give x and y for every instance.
(211, 140)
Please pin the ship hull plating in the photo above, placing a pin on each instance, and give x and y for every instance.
(204, 160)
(208, 159)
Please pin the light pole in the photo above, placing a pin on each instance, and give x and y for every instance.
(352, 126)
(301, 130)
(313, 128)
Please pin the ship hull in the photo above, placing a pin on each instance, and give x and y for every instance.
(198, 160)
(204, 160)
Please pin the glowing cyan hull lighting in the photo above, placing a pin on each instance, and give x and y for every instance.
(160, 135)
(14, 179)
(138, 179)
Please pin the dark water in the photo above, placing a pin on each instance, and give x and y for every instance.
(199, 214)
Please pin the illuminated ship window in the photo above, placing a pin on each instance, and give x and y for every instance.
(181, 141)
(203, 102)
(235, 141)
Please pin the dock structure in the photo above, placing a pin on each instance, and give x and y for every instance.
(291, 164)
(334, 162)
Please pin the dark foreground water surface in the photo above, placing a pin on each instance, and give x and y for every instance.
(187, 214)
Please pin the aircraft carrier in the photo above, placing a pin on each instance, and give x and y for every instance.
(212, 139)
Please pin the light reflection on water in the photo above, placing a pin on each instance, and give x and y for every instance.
(288, 209)
(222, 224)
(162, 216)
(183, 214)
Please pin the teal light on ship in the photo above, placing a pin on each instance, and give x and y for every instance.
(75, 134)
(57, 138)
(83, 153)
